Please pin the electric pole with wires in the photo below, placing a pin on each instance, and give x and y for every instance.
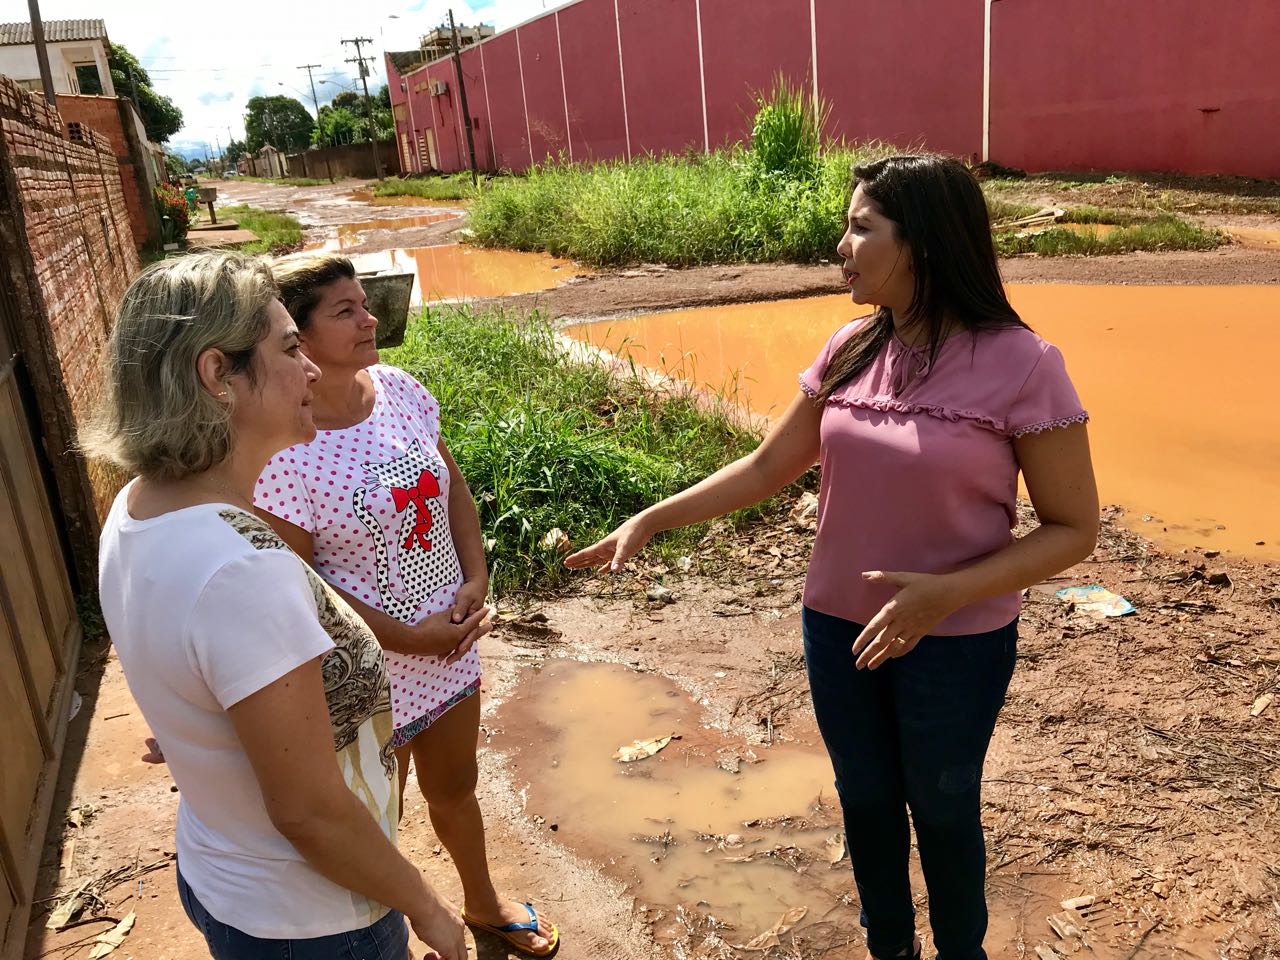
(359, 60)
(316, 103)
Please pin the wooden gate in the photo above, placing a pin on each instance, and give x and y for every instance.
(39, 640)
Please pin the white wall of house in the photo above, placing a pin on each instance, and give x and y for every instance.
(19, 62)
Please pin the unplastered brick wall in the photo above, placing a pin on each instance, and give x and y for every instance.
(102, 115)
(65, 194)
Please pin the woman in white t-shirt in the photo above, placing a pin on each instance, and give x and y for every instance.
(378, 506)
(269, 694)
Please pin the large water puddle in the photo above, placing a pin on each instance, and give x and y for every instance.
(1256, 238)
(1178, 381)
(680, 827)
(721, 842)
(460, 272)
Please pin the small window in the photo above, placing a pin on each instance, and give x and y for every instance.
(88, 80)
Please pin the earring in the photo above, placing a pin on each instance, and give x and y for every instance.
(222, 393)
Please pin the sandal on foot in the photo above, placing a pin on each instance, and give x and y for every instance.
(509, 934)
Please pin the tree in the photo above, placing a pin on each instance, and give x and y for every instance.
(278, 120)
(338, 125)
(382, 98)
(235, 150)
(161, 118)
(176, 166)
(349, 100)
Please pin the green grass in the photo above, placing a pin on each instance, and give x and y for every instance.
(453, 187)
(1001, 209)
(1087, 213)
(781, 199)
(1146, 192)
(684, 211)
(1163, 232)
(546, 442)
(285, 181)
(277, 232)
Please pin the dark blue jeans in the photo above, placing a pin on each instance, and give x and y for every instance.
(388, 939)
(912, 734)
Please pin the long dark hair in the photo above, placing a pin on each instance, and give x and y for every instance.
(937, 209)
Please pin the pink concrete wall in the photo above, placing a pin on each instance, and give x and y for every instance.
(506, 103)
(660, 62)
(1144, 85)
(744, 46)
(540, 60)
(593, 82)
(906, 71)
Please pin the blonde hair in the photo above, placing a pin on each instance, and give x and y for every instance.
(303, 276)
(156, 419)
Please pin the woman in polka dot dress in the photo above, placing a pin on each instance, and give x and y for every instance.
(379, 507)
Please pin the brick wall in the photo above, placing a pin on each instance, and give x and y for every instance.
(102, 115)
(67, 254)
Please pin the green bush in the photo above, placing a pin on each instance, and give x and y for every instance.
(453, 187)
(277, 232)
(1163, 232)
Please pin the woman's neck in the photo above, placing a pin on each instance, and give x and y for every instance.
(914, 333)
(341, 397)
(231, 481)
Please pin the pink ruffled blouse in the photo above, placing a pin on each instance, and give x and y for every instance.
(918, 469)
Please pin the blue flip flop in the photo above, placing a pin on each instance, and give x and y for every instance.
(508, 933)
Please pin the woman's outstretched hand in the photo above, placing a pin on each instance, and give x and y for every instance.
(614, 550)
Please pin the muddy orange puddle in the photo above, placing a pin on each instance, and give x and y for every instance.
(675, 825)
(1255, 238)
(459, 272)
(698, 842)
(1178, 380)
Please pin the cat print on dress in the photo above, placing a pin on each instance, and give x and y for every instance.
(414, 482)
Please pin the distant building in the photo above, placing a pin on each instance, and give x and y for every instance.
(77, 49)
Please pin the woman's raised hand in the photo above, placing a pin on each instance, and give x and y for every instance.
(614, 550)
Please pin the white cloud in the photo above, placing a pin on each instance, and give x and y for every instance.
(212, 58)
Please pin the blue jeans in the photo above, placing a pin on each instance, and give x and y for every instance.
(388, 939)
(912, 734)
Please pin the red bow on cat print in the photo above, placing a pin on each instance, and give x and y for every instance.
(427, 486)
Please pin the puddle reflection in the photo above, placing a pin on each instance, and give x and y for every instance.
(1176, 378)
(461, 272)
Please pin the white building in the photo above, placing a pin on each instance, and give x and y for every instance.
(77, 56)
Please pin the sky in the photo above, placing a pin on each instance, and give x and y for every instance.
(210, 58)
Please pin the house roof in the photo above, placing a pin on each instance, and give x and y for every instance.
(405, 60)
(55, 31)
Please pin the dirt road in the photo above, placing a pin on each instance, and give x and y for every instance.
(1137, 760)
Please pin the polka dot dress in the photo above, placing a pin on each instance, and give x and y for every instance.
(374, 498)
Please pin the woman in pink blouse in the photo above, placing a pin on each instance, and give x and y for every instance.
(921, 415)
(378, 506)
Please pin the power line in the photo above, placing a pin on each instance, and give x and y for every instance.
(359, 60)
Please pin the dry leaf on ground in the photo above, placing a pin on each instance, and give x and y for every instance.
(71, 904)
(770, 938)
(835, 849)
(640, 749)
(113, 938)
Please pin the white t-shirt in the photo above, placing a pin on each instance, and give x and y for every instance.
(205, 606)
(375, 499)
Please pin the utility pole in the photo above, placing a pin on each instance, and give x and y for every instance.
(133, 85)
(315, 101)
(42, 55)
(359, 60)
(462, 96)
